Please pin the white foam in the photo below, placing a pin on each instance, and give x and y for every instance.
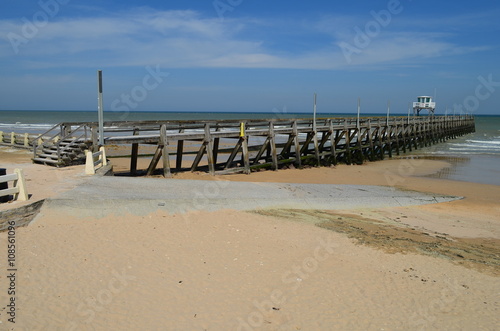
(484, 142)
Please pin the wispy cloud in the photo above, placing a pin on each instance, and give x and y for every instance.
(186, 39)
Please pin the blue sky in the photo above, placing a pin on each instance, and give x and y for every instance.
(249, 55)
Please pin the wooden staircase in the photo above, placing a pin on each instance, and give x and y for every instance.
(63, 148)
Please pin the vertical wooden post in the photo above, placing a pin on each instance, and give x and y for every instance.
(333, 154)
(359, 142)
(381, 141)
(134, 155)
(272, 144)
(216, 149)
(389, 138)
(210, 149)
(370, 141)
(397, 127)
(166, 156)
(347, 137)
(244, 146)
(298, 161)
(180, 151)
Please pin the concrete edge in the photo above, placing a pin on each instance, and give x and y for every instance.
(22, 216)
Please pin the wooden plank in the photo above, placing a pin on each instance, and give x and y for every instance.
(8, 178)
(9, 191)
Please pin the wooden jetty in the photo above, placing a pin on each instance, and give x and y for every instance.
(228, 146)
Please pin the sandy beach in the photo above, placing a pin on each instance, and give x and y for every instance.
(422, 267)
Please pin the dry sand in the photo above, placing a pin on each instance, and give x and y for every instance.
(409, 268)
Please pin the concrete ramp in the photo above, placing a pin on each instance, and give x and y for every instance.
(100, 196)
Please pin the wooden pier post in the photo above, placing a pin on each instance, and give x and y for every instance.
(272, 143)
(180, 151)
(298, 160)
(134, 155)
(166, 157)
(210, 149)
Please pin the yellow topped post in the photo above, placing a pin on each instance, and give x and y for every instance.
(242, 129)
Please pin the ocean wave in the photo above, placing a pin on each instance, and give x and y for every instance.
(477, 146)
(484, 142)
(451, 153)
(475, 149)
(26, 126)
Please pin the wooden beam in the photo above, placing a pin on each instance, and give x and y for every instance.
(233, 154)
(197, 160)
(154, 161)
(261, 151)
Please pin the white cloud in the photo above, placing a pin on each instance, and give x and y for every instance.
(186, 39)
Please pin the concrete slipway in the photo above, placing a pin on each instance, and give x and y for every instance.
(100, 196)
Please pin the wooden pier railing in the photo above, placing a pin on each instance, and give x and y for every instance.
(239, 146)
(227, 146)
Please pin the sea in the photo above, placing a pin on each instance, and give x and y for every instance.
(473, 158)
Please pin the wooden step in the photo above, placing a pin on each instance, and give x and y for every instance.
(38, 159)
(50, 156)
